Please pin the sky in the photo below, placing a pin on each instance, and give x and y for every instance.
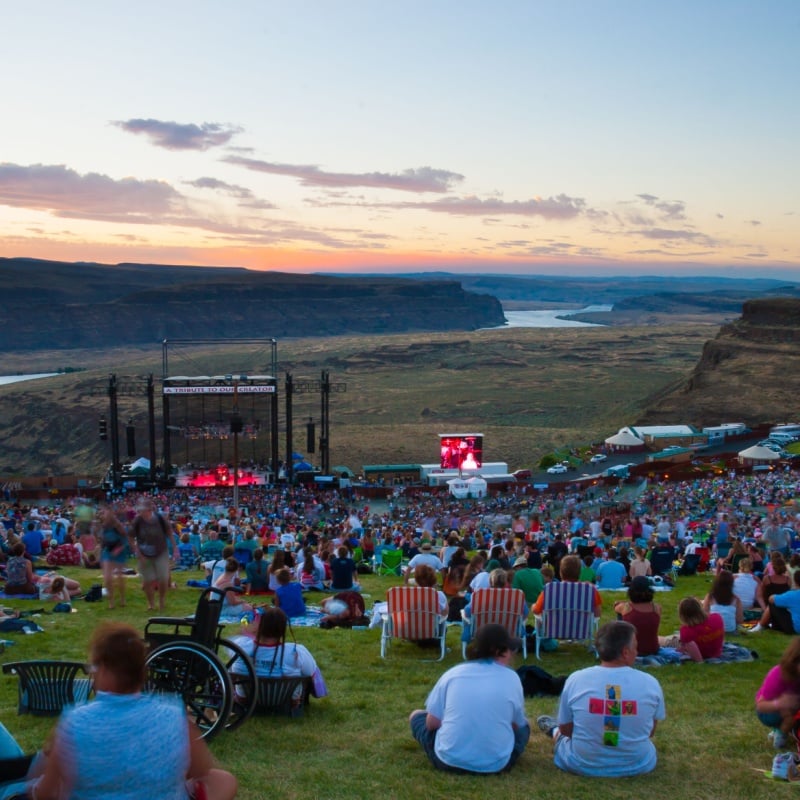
(589, 137)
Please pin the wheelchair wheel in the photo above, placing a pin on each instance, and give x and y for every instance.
(242, 674)
(196, 674)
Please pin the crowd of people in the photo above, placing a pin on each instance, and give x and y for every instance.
(289, 541)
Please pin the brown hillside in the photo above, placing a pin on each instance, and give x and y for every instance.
(745, 374)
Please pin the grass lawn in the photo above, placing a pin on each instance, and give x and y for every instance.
(356, 743)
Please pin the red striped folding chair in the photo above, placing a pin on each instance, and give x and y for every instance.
(567, 614)
(413, 613)
(499, 606)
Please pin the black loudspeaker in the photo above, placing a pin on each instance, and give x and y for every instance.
(130, 435)
(236, 423)
(310, 437)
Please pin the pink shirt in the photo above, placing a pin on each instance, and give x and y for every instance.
(709, 636)
(774, 686)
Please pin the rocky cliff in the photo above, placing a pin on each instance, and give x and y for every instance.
(747, 373)
(52, 305)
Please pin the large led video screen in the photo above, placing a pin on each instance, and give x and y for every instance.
(461, 450)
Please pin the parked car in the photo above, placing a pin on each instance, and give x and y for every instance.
(556, 469)
(522, 474)
(597, 458)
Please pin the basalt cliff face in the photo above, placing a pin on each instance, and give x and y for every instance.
(747, 373)
(48, 305)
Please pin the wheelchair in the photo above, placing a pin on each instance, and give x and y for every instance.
(190, 657)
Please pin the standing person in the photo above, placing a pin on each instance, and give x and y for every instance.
(99, 750)
(113, 553)
(474, 718)
(607, 714)
(149, 534)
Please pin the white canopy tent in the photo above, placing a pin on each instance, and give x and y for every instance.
(758, 455)
(459, 488)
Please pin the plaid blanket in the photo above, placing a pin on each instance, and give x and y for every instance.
(731, 654)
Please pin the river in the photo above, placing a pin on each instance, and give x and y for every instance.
(549, 317)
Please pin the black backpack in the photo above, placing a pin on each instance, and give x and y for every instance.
(95, 594)
(537, 682)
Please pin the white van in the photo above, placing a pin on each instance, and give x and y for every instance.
(783, 438)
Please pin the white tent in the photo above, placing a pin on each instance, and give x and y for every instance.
(624, 442)
(758, 455)
(477, 486)
(140, 465)
(459, 488)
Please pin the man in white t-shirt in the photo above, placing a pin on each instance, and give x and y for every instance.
(474, 718)
(425, 556)
(607, 714)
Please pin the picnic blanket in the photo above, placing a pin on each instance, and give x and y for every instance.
(656, 587)
(731, 654)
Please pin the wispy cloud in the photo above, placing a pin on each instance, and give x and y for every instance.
(552, 208)
(673, 211)
(421, 179)
(180, 136)
(232, 190)
(666, 234)
(64, 192)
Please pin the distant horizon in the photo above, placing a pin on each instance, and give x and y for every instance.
(724, 273)
(585, 137)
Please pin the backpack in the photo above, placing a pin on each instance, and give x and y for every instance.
(537, 682)
(94, 594)
(454, 606)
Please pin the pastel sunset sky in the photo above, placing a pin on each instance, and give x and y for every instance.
(512, 136)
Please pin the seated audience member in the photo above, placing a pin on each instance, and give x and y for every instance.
(275, 566)
(312, 572)
(425, 556)
(481, 695)
(775, 582)
(273, 656)
(734, 557)
(701, 635)
(570, 571)
(784, 609)
(234, 607)
(640, 566)
(214, 569)
(289, 595)
(33, 539)
(257, 573)
(454, 572)
(19, 572)
(211, 549)
(187, 555)
(425, 575)
(611, 574)
(170, 761)
(745, 585)
(722, 600)
(527, 578)
(475, 575)
(587, 570)
(344, 572)
(641, 612)
(778, 698)
(607, 714)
